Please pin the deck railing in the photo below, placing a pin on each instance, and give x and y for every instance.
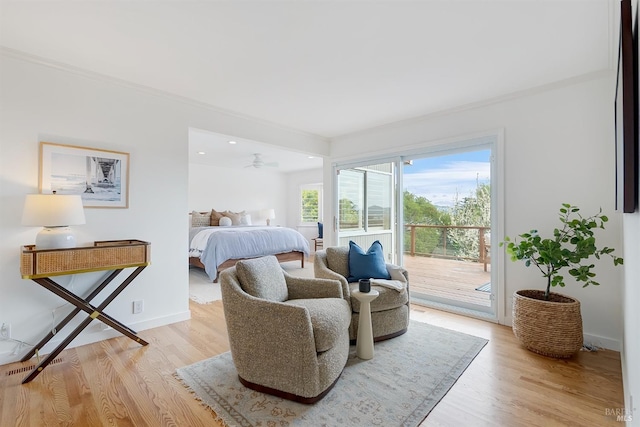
(483, 245)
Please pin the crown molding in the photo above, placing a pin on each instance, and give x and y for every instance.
(484, 103)
(23, 56)
(27, 57)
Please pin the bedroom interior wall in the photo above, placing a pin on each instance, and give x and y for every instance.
(250, 190)
(52, 103)
(559, 148)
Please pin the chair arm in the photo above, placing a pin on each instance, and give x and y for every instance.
(322, 271)
(302, 287)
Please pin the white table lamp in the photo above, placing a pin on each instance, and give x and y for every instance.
(55, 213)
(269, 214)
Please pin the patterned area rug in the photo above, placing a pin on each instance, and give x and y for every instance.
(404, 381)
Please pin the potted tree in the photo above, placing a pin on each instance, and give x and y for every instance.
(545, 322)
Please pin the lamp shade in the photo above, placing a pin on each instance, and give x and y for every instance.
(53, 210)
(268, 214)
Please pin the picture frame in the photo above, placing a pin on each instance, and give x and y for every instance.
(100, 177)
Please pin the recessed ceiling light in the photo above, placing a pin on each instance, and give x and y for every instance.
(201, 152)
(232, 142)
(310, 157)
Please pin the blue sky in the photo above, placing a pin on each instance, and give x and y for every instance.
(440, 178)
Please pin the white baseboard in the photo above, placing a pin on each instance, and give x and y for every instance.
(602, 342)
(96, 332)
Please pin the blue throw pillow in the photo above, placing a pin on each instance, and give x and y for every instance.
(370, 265)
(320, 229)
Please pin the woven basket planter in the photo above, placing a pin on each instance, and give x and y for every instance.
(551, 328)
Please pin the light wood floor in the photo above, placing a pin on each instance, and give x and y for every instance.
(119, 383)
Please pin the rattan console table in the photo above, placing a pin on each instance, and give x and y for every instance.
(113, 255)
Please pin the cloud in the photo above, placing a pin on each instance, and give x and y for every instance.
(441, 184)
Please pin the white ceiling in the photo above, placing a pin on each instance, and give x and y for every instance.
(327, 68)
(214, 149)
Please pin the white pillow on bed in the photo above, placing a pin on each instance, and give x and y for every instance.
(234, 216)
(225, 221)
(245, 219)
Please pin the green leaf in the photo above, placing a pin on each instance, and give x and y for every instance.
(571, 246)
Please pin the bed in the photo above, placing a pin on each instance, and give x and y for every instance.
(216, 248)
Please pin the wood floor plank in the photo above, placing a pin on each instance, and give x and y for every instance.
(507, 385)
(119, 383)
(448, 278)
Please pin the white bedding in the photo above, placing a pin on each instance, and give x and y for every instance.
(215, 245)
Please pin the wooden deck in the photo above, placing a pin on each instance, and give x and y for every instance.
(448, 278)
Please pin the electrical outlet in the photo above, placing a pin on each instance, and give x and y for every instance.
(138, 306)
(5, 331)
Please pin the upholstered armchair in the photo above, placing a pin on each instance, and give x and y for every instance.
(289, 336)
(389, 311)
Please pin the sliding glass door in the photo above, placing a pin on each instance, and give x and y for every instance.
(447, 227)
(432, 212)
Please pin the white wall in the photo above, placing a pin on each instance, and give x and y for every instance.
(559, 147)
(630, 300)
(71, 106)
(251, 190)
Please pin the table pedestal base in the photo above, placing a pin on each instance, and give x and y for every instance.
(364, 340)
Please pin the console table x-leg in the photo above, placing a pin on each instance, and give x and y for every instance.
(82, 305)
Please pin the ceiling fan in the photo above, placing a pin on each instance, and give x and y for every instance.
(259, 163)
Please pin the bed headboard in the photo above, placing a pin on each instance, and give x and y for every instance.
(213, 217)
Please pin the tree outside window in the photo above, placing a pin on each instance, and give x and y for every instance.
(311, 203)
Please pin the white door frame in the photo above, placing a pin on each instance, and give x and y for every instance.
(494, 139)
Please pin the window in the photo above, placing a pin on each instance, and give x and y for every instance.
(364, 196)
(351, 199)
(378, 201)
(311, 203)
